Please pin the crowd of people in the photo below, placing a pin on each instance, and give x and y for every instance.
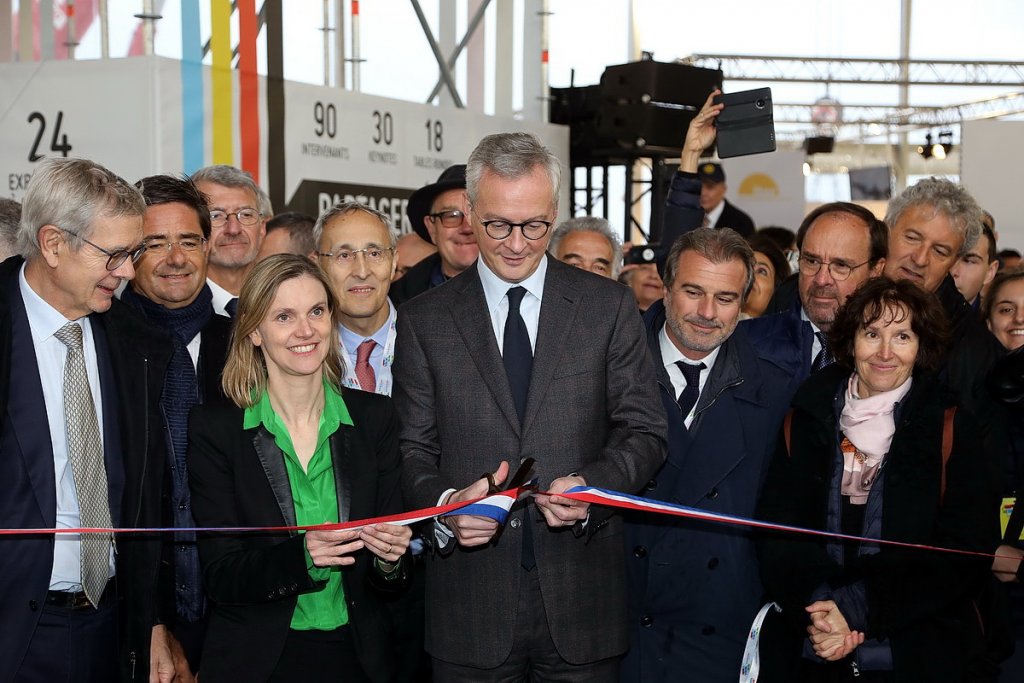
(175, 356)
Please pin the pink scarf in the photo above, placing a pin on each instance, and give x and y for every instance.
(869, 425)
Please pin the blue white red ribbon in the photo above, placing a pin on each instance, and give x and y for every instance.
(496, 506)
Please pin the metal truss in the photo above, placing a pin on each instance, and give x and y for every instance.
(861, 70)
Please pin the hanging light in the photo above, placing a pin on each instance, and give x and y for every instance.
(926, 150)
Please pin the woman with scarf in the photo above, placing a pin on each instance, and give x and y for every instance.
(294, 448)
(862, 454)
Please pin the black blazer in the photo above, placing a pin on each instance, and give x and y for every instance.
(734, 218)
(238, 478)
(131, 364)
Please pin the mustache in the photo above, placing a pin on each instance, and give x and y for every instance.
(232, 239)
(824, 291)
(697, 319)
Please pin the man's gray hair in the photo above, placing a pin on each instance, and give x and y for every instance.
(589, 224)
(345, 208)
(229, 176)
(511, 156)
(70, 194)
(717, 246)
(945, 197)
(10, 217)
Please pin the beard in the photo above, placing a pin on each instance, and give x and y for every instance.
(695, 341)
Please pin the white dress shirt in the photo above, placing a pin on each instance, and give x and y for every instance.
(715, 213)
(221, 297)
(43, 321)
(815, 344)
(669, 355)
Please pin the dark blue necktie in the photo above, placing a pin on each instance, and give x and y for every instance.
(516, 352)
(517, 355)
(824, 357)
(689, 395)
(231, 307)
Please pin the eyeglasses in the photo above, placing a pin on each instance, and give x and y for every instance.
(345, 257)
(114, 258)
(810, 265)
(532, 230)
(449, 219)
(161, 247)
(219, 219)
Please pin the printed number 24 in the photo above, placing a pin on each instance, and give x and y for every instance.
(59, 141)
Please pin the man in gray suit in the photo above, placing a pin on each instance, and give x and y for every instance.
(522, 356)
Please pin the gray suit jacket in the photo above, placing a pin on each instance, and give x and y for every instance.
(593, 409)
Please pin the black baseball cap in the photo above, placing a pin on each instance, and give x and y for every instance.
(710, 172)
(453, 178)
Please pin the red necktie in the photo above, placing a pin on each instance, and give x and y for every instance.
(364, 371)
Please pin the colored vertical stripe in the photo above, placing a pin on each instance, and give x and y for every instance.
(26, 26)
(192, 110)
(46, 30)
(272, 11)
(220, 78)
(249, 100)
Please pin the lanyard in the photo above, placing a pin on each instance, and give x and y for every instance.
(384, 376)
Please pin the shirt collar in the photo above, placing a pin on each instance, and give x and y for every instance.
(670, 353)
(715, 213)
(351, 340)
(46, 319)
(803, 316)
(335, 412)
(495, 288)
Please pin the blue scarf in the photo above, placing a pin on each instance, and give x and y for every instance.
(180, 393)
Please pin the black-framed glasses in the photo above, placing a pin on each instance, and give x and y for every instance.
(219, 219)
(345, 257)
(810, 265)
(500, 229)
(116, 258)
(450, 219)
(186, 244)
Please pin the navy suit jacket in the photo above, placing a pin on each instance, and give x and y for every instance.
(784, 338)
(694, 587)
(130, 382)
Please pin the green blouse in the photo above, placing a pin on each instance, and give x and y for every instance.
(316, 502)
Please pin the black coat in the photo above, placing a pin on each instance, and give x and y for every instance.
(415, 281)
(919, 600)
(238, 478)
(132, 363)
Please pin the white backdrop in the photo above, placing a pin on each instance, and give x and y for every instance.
(990, 159)
(769, 187)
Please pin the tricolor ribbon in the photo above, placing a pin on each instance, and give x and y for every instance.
(496, 506)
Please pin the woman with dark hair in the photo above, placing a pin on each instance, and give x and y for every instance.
(1004, 308)
(770, 269)
(294, 448)
(875, 448)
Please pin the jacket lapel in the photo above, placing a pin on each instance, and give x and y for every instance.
(340, 458)
(27, 411)
(273, 466)
(557, 315)
(469, 311)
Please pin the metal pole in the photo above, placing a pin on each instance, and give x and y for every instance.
(545, 90)
(903, 147)
(327, 43)
(339, 43)
(470, 30)
(442, 66)
(71, 41)
(104, 31)
(356, 59)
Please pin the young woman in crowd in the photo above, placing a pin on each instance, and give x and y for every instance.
(295, 448)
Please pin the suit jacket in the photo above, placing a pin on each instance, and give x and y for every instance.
(238, 478)
(695, 587)
(784, 338)
(415, 281)
(592, 409)
(733, 217)
(131, 366)
(920, 601)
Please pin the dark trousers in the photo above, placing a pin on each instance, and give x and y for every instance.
(318, 656)
(533, 657)
(73, 646)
